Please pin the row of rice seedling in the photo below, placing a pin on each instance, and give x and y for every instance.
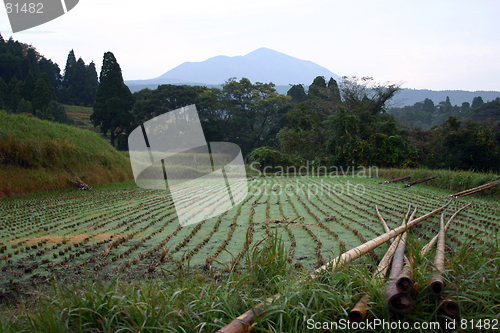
(232, 227)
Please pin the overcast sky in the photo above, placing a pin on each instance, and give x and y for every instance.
(433, 44)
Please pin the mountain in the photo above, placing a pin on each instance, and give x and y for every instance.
(262, 65)
(266, 65)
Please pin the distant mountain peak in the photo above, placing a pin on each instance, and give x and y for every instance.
(261, 65)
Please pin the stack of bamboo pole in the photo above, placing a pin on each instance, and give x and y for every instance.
(397, 292)
(246, 321)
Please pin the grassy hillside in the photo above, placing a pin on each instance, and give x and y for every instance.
(33, 151)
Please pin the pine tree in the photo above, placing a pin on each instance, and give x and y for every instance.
(77, 86)
(113, 100)
(28, 87)
(65, 94)
(91, 84)
(33, 59)
(4, 93)
(42, 95)
(52, 70)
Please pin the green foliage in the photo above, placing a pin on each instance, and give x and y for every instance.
(42, 95)
(268, 156)
(297, 93)
(79, 85)
(24, 107)
(59, 113)
(28, 88)
(113, 100)
(253, 110)
(20, 68)
(303, 135)
(458, 145)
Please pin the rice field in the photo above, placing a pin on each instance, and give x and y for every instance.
(135, 232)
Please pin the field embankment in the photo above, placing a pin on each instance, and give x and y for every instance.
(80, 114)
(33, 151)
(446, 179)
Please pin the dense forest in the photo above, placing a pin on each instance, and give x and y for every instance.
(330, 124)
(31, 83)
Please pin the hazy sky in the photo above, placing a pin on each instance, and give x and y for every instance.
(433, 44)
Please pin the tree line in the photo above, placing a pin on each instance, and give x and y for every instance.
(332, 123)
(426, 115)
(31, 83)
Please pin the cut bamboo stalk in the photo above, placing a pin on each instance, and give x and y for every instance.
(396, 180)
(244, 322)
(423, 180)
(360, 310)
(437, 284)
(78, 182)
(471, 189)
(372, 244)
(358, 313)
(404, 282)
(397, 301)
(427, 247)
(450, 307)
(386, 227)
(474, 190)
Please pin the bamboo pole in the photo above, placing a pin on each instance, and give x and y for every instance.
(404, 282)
(397, 301)
(396, 180)
(360, 310)
(386, 227)
(358, 313)
(427, 247)
(245, 322)
(472, 190)
(475, 191)
(450, 307)
(372, 244)
(437, 284)
(423, 180)
(78, 182)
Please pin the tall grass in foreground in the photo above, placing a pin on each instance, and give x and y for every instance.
(447, 179)
(192, 300)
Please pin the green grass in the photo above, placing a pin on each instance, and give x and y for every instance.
(33, 151)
